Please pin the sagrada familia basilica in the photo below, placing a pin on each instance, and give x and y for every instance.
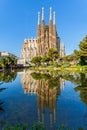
(47, 37)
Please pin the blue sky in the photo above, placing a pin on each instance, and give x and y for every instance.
(18, 20)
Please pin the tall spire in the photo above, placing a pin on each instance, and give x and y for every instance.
(42, 13)
(38, 18)
(54, 18)
(50, 13)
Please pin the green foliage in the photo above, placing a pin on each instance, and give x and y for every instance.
(51, 80)
(79, 56)
(69, 58)
(82, 87)
(16, 127)
(83, 51)
(81, 128)
(55, 64)
(63, 127)
(53, 54)
(6, 62)
(66, 64)
(38, 126)
(2, 122)
(45, 59)
(2, 63)
(76, 53)
(36, 60)
(7, 76)
(72, 59)
(83, 45)
(39, 76)
(82, 60)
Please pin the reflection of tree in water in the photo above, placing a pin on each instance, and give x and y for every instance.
(7, 76)
(51, 81)
(1, 109)
(72, 77)
(83, 88)
(80, 79)
(47, 89)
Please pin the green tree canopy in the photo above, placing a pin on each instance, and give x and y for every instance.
(6, 62)
(83, 46)
(36, 60)
(45, 59)
(53, 54)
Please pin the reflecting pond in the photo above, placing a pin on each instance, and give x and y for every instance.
(53, 98)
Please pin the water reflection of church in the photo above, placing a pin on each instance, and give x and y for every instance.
(46, 96)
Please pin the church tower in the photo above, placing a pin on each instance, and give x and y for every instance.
(46, 38)
(42, 33)
(47, 35)
(54, 30)
(38, 34)
(50, 29)
(62, 50)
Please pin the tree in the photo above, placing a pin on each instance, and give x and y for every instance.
(36, 60)
(6, 62)
(2, 63)
(83, 46)
(53, 54)
(83, 51)
(45, 59)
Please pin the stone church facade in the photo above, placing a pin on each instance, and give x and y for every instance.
(47, 35)
(46, 38)
(29, 49)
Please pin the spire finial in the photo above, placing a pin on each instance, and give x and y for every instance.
(38, 18)
(50, 13)
(42, 13)
(54, 18)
